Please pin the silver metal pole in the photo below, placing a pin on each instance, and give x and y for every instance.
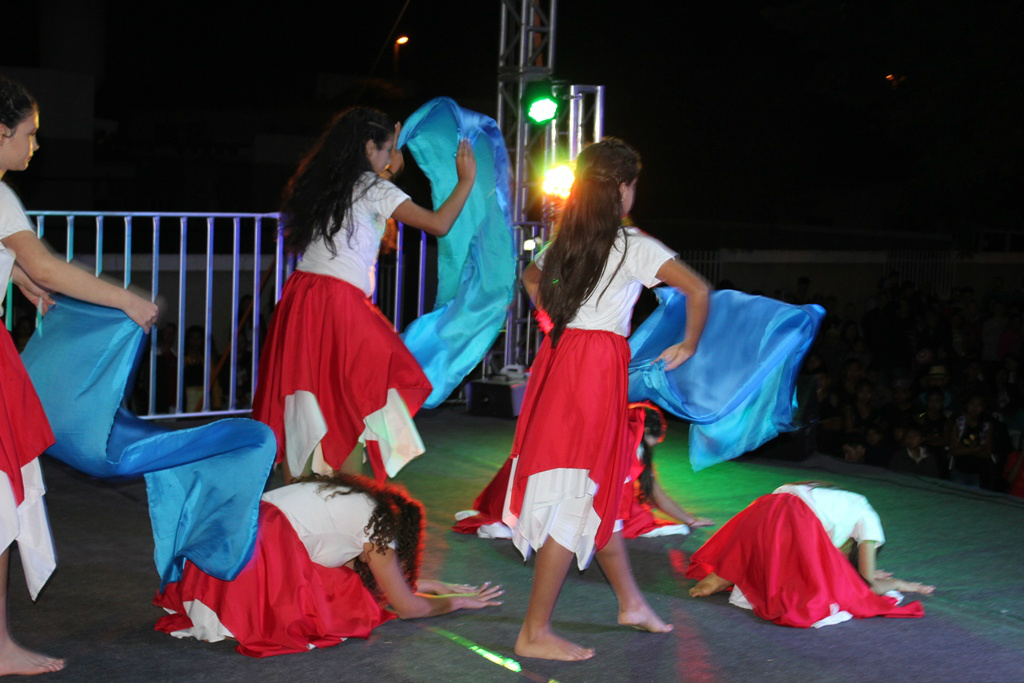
(257, 304)
(179, 395)
(421, 290)
(99, 245)
(235, 264)
(69, 248)
(208, 318)
(399, 275)
(155, 336)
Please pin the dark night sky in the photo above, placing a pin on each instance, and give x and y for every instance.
(743, 111)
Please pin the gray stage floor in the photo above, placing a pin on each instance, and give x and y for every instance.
(96, 610)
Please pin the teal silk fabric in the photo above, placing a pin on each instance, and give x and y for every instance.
(476, 263)
(204, 484)
(738, 390)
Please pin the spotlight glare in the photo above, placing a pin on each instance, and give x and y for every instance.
(540, 105)
(402, 40)
(542, 110)
(530, 244)
(558, 181)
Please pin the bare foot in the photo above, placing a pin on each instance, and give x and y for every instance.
(644, 619)
(14, 659)
(712, 583)
(915, 587)
(547, 645)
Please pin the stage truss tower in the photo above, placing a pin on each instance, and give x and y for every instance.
(526, 55)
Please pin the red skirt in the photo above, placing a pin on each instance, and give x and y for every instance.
(575, 415)
(780, 556)
(327, 338)
(637, 518)
(281, 602)
(24, 430)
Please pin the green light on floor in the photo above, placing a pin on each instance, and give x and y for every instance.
(494, 657)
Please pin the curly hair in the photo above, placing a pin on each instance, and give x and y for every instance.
(318, 199)
(16, 103)
(397, 517)
(586, 232)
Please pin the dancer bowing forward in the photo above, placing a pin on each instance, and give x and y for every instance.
(573, 450)
(331, 553)
(786, 558)
(334, 375)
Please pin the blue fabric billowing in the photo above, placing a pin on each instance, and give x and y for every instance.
(476, 260)
(204, 483)
(738, 390)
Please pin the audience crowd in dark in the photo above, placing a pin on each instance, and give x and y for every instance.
(920, 383)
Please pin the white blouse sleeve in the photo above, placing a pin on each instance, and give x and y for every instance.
(12, 214)
(645, 256)
(385, 197)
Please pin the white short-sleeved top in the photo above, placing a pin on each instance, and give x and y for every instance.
(12, 219)
(611, 309)
(356, 261)
(844, 514)
(331, 526)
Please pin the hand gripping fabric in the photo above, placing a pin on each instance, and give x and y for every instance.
(738, 390)
(476, 262)
(204, 483)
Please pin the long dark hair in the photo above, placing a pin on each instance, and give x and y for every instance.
(319, 197)
(590, 222)
(16, 104)
(654, 426)
(397, 517)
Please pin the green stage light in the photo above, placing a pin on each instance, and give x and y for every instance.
(539, 101)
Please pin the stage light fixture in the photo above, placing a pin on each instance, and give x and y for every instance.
(558, 181)
(539, 101)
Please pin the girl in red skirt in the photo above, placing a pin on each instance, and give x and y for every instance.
(330, 554)
(786, 557)
(24, 431)
(333, 374)
(640, 496)
(643, 493)
(573, 449)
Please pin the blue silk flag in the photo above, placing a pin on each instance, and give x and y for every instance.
(204, 484)
(738, 389)
(476, 263)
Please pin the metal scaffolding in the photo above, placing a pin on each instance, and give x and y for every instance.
(526, 54)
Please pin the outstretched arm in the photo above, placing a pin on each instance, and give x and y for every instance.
(883, 582)
(677, 274)
(440, 222)
(411, 605)
(52, 274)
(664, 502)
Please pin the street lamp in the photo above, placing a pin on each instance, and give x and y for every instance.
(399, 42)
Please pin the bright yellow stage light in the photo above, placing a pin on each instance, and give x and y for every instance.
(558, 181)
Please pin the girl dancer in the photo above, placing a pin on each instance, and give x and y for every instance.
(572, 449)
(785, 557)
(331, 552)
(642, 493)
(333, 373)
(24, 431)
